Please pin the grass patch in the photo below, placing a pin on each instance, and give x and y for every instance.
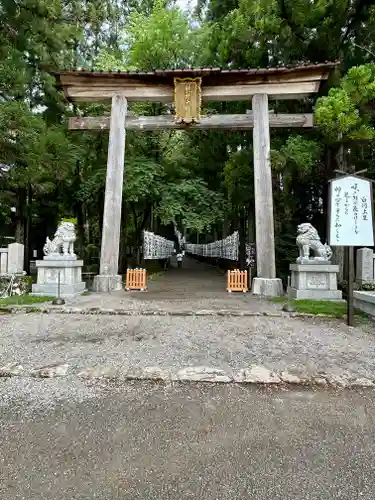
(20, 300)
(326, 307)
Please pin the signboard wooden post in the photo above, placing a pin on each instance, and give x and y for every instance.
(351, 221)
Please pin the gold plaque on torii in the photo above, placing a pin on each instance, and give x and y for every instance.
(187, 99)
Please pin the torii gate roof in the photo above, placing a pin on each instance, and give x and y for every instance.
(218, 84)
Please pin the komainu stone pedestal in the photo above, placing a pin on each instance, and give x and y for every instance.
(70, 270)
(314, 281)
(60, 264)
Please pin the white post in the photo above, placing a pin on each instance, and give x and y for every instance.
(16, 255)
(266, 282)
(108, 279)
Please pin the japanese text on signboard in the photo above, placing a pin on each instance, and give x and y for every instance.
(351, 217)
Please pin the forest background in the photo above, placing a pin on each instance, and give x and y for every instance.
(200, 180)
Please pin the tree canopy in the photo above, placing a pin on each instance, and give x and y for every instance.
(202, 181)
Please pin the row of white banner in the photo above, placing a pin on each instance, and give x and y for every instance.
(156, 247)
(221, 249)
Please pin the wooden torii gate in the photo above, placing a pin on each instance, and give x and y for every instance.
(260, 85)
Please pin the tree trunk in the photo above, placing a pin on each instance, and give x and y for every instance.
(225, 226)
(20, 216)
(86, 225)
(27, 254)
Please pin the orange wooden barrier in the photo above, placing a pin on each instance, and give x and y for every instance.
(237, 281)
(136, 279)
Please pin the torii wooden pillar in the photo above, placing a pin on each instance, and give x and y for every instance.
(266, 282)
(260, 85)
(109, 278)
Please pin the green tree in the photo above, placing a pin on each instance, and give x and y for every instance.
(347, 112)
(161, 38)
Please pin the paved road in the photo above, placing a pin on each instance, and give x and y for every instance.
(63, 440)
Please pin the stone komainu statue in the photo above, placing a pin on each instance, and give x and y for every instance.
(311, 249)
(63, 241)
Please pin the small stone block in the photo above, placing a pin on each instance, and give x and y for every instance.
(107, 283)
(268, 287)
(365, 301)
(365, 265)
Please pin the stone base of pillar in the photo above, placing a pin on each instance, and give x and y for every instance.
(267, 287)
(107, 283)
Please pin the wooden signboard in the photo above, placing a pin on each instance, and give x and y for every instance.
(351, 216)
(350, 222)
(187, 99)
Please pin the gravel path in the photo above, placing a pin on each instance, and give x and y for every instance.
(147, 441)
(228, 343)
(197, 286)
(174, 301)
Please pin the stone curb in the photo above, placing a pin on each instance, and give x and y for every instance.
(254, 375)
(128, 312)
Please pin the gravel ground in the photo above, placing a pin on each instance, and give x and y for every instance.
(61, 439)
(174, 301)
(229, 343)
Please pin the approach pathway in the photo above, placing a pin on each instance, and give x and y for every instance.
(196, 286)
(195, 280)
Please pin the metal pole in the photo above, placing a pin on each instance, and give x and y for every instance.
(58, 301)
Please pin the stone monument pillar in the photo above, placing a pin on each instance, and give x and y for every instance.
(16, 253)
(365, 265)
(60, 262)
(313, 276)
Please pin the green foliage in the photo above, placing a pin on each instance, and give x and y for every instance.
(143, 180)
(159, 167)
(191, 204)
(36, 154)
(346, 112)
(163, 38)
(239, 178)
(301, 152)
(261, 32)
(193, 178)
